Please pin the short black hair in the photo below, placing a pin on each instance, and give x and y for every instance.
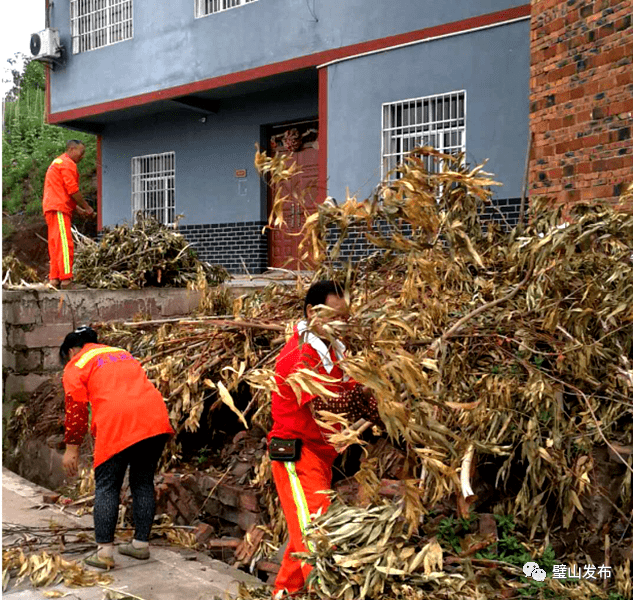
(72, 143)
(76, 339)
(319, 291)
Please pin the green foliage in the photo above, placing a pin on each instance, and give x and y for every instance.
(29, 144)
(7, 229)
(447, 533)
(508, 549)
(203, 455)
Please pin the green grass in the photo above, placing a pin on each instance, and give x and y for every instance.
(7, 229)
(29, 145)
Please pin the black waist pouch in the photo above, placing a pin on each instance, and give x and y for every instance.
(284, 450)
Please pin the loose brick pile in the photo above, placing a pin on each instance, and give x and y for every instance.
(581, 104)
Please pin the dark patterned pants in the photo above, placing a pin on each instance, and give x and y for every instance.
(142, 458)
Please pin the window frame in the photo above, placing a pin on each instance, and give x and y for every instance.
(90, 40)
(423, 131)
(199, 13)
(143, 180)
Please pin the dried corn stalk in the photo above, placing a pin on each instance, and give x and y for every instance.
(16, 273)
(44, 569)
(146, 254)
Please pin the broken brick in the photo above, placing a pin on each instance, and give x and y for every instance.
(268, 566)
(249, 501)
(204, 532)
(246, 550)
(488, 526)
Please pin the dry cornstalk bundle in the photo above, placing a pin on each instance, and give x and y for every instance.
(486, 345)
(146, 254)
(44, 569)
(15, 272)
(199, 363)
(372, 552)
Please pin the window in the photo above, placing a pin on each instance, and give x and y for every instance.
(154, 186)
(438, 121)
(210, 7)
(98, 23)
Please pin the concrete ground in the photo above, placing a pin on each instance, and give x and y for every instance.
(167, 575)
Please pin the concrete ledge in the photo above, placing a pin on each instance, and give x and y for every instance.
(38, 463)
(35, 322)
(32, 307)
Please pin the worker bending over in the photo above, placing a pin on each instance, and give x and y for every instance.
(130, 424)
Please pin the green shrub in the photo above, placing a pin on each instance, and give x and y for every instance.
(29, 145)
(7, 229)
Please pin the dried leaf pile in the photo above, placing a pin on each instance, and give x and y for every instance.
(505, 348)
(15, 272)
(512, 346)
(44, 569)
(198, 364)
(516, 343)
(145, 254)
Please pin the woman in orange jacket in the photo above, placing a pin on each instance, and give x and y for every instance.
(130, 424)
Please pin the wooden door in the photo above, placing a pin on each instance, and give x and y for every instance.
(300, 142)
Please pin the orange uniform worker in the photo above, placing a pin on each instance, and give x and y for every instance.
(130, 424)
(61, 198)
(301, 455)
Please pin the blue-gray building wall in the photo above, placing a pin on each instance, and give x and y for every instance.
(223, 214)
(492, 66)
(170, 47)
(207, 156)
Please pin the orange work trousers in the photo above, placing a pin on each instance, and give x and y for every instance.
(61, 249)
(298, 485)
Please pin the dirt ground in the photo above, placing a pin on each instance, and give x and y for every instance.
(28, 239)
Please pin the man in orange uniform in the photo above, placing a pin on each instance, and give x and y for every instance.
(302, 458)
(130, 424)
(61, 197)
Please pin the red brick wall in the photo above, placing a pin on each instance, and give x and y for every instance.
(581, 99)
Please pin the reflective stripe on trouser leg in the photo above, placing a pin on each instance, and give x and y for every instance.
(63, 234)
(303, 512)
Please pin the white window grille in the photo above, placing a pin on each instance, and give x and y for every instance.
(98, 23)
(438, 121)
(210, 7)
(154, 186)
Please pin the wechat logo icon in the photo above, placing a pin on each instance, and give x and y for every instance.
(531, 569)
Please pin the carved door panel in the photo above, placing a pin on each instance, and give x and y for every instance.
(302, 146)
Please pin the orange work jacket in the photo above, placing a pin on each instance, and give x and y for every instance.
(292, 416)
(60, 183)
(126, 407)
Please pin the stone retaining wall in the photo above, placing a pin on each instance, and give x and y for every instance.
(35, 323)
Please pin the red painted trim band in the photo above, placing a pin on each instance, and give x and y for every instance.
(99, 187)
(322, 157)
(47, 69)
(47, 94)
(294, 64)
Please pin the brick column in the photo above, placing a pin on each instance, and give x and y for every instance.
(581, 99)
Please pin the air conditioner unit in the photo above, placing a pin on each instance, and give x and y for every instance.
(45, 45)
